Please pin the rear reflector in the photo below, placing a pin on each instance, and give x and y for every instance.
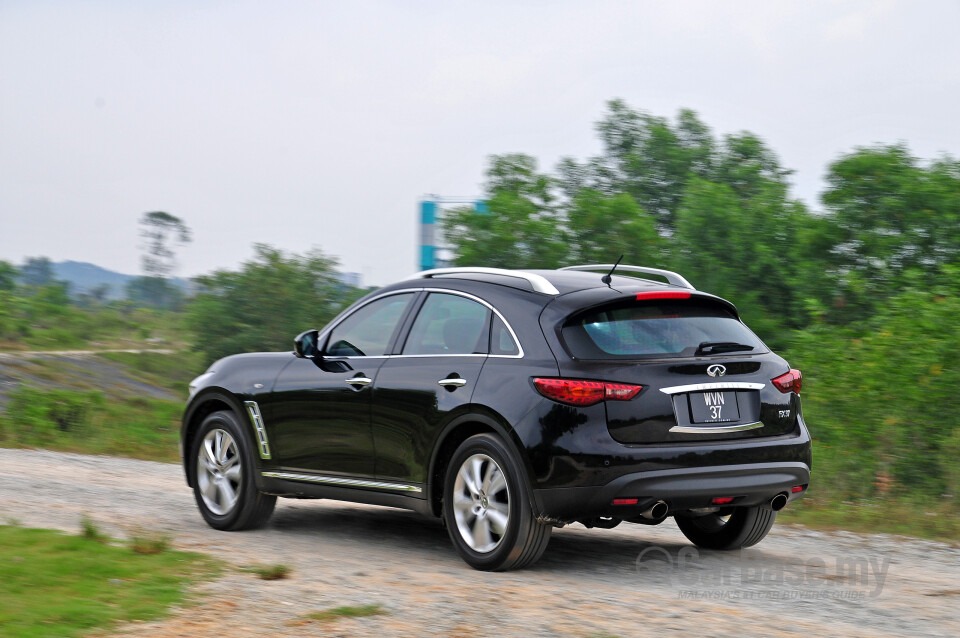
(624, 501)
(581, 392)
(789, 382)
(796, 488)
(662, 294)
(722, 500)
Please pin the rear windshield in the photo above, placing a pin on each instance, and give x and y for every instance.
(655, 329)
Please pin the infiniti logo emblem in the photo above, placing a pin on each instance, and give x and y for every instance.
(716, 370)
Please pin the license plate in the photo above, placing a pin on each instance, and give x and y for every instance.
(714, 407)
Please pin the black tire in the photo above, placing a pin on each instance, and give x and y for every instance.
(251, 508)
(746, 526)
(522, 540)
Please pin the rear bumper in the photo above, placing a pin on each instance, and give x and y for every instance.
(681, 488)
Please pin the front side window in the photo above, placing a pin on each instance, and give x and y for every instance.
(449, 324)
(368, 331)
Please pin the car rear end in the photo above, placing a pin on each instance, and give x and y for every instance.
(680, 408)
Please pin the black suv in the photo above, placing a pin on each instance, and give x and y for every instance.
(509, 403)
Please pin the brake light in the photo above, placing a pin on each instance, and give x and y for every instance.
(583, 393)
(625, 501)
(789, 382)
(722, 500)
(662, 294)
(796, 488)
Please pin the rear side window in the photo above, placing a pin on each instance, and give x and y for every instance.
(654, 329)
(501, 341)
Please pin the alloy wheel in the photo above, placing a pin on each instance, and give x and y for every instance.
(219, 471)
(481, 503)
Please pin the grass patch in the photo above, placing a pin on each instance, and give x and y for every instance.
(924, 518)
(88, 422)
(362, 611)
(271, 572)
(52, 584)
(143, 542)
(90, 531)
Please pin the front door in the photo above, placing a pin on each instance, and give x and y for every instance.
(320, 408)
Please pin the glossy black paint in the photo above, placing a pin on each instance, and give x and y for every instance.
(318, 421)
(575, 458)
(411, 408)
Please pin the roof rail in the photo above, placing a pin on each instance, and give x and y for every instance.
(671, 277)
(539, 283)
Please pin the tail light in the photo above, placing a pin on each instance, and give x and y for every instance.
(583, 393)
(789, 382)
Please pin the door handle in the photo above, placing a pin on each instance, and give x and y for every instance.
(457, 383)
(358, 381)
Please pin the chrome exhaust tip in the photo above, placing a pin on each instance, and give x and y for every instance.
(778, 502)
(656, 511)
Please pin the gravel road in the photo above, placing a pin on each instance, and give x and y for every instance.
(630, 581)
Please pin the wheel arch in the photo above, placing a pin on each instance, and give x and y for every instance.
(213, 400)
(459, 430)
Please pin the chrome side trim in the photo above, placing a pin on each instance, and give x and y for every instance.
(539, 283)
(708, 387)
(720, 429)
(255, 417)
(339, 480)
(674, 278)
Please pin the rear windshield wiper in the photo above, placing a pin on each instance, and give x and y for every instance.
(716, 347)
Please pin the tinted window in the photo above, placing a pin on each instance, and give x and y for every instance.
(650, 329)
(501, 341)
(368, 331)
(449, 324)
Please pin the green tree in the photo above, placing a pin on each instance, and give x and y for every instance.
(881, 399)
(265, 304)
(746, 250)
(651, 159)
(160, 231)
(894, 216)
(154, 291)
(601, 228)
(37, 271)
(522, 228)
(8, 276)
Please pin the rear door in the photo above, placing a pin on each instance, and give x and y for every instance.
(428, 383)
(705, 375)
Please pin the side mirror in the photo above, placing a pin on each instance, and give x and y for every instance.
(305, 344)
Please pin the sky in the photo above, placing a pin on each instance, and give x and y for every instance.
(321, 124)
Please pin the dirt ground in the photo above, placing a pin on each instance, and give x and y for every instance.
(630, 581)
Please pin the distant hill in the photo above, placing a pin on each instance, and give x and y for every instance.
(84, 277)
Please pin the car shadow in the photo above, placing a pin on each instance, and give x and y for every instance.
(571, 549)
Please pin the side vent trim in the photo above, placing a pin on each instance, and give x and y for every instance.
(257, 419)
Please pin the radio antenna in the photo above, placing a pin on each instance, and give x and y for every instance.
(607, 278)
